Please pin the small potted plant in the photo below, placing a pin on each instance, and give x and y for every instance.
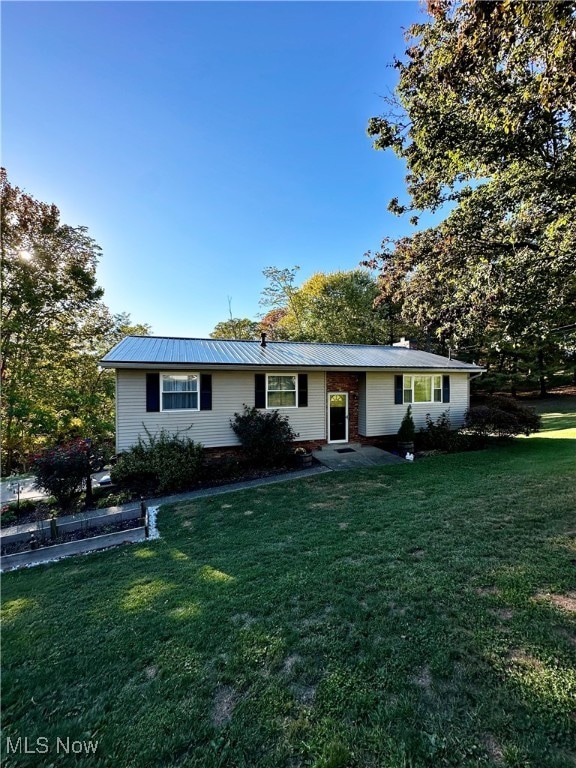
(406, 433)
(303, 457)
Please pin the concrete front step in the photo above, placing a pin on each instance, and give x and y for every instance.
(354, 456)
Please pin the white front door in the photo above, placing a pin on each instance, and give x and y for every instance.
(337, 417)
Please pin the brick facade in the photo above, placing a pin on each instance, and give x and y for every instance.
(347, 382)
(335, 382)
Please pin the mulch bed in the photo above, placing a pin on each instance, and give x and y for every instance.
(86, 533)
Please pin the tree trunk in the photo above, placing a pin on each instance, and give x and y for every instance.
(542, 377)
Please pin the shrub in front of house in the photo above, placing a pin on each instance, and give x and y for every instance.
(23, 507)
(114, 499)
(62, 472)
(266, 437)
(7, 516)
(438, 435)
(162, 463)
(406, 433)
(501, 417)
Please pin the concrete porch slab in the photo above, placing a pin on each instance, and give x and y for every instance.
(355, 457)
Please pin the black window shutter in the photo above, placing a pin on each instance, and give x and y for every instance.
(302, 390)
(152, 392)
(260, 390)
(205, 391)
(398, 390)
(446, 389)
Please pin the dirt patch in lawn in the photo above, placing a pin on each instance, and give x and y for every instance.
(486, 591)
(520, 658)
(495, 752)
(504, 614)
(304, 694)
(290, 663)
(567, 602)
(243, 620)
(418, 553)
(151, 672)
(423, 678)
(225, 700)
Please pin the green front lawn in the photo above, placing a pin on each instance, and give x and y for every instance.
(414, 615)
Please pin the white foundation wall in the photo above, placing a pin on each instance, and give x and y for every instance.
(383, 417)
(230, 390)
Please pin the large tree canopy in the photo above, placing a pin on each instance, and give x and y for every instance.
(485, 119)
(54, 329)
(236, 328)
(334, 307)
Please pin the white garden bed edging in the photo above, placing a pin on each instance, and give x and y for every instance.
(153, 532)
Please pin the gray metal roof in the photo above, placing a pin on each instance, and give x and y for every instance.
(139, 351)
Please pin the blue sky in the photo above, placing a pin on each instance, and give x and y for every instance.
(202, 142)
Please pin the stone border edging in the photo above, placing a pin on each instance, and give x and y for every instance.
(78, 547)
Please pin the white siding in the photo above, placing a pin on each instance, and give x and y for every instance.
(383, 417)
(362, 405)
(230, 390)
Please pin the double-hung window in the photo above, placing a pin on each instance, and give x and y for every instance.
(422, 389)
(179, 391)
(281, 391)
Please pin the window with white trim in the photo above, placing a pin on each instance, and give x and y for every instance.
(422, 389)
(281, 390)
(179, 391)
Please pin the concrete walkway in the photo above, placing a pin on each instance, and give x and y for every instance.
(187, 496)
(231, 487)
(354, 456)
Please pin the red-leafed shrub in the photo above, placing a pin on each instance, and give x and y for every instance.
(501, 417)
(62, 472)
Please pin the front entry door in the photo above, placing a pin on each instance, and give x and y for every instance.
(338, 417)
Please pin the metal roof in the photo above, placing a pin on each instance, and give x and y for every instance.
(139, 351)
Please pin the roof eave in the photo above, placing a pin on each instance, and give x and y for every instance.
(156, 366)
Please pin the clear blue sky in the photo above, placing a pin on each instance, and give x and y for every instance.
(202, 142)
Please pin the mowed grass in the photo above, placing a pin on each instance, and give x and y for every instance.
(415, 615)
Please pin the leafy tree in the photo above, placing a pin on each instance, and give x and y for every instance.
(236, 328)
(281, 293)
(54, 329)
(76, 390)
(484, 119)
(336, 307)
(271, 324)
(62, 471)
